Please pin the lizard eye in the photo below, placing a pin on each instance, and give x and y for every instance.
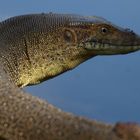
(104, 30)
(69, 36)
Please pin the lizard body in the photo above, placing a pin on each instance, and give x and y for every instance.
(37, 47)
(45, 45)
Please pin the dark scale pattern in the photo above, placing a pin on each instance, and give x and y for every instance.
(36, 35)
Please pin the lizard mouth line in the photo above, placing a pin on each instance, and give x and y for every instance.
(106, 48)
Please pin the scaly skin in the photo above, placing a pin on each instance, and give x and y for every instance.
(34, 48)
(39, 47)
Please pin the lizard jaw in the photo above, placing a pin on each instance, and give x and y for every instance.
(126, 43)
(109, 49)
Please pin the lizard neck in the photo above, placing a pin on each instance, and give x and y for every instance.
(39, 58)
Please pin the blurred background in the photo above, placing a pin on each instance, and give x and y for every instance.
(105, 88)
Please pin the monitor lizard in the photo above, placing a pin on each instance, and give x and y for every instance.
(37, 47)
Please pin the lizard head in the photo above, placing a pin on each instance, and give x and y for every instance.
(79, 38)
(55, 43)
(100, 37)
